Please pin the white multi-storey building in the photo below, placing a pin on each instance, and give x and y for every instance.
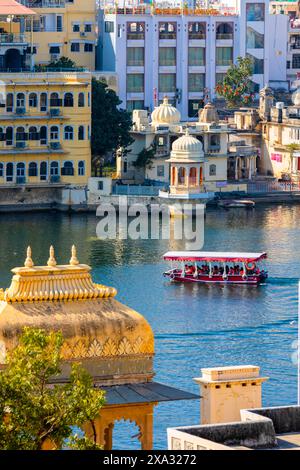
(184, 53)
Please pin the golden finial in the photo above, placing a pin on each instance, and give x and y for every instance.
(28, 261)
(74, 261)
(51, 260)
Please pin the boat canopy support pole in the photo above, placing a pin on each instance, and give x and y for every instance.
(196, 269)
(182, 269)
(210, 269)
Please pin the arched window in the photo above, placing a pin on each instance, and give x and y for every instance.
(214, 142)
(193, 176)
(81, 100)
(55, 100)
(9, 102)
(224, 31)
(201, 176)
(69, 133)
(20, 100)
(68, 100)
(32, 169)
(33, 100)
(20, 169)
(81, 133)
(1, 170)
(9, 171)
(43, 171)
(54, 170)
(20, 135)
(181, 176)
(173, 176)
(9, 135)
(212, 170)
(43, 102)
(67, 169)
(33, 133)
(54, 133)
(81, 168)
(44, 135)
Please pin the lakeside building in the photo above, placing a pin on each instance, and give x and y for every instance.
(45, 117)
(63, 28)
(114, 343)
(45, 126)
(184, 53)
(220, 159)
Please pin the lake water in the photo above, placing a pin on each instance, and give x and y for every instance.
(195, 326)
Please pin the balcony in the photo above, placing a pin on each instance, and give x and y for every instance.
(11, 38)
(131, 35)
(44, 3)
(225, 36)
(214, 149)
(197, 36)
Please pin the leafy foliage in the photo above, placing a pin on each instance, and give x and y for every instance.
(32, 412)
(110, 125)
(145, 157)
(62, 63)
(236, 86)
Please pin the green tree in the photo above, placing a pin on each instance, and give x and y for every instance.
(62, 63)
(32, 411)
(236, 86)
(110, 125)
(145, 157)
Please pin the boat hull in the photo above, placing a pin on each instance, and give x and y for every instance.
(217, 279)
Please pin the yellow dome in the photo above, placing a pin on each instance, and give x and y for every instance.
(111, 340)
(165, 114)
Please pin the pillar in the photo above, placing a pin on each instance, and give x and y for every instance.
(236, 169)
(147, 432)
(108, 436)
(227, 390)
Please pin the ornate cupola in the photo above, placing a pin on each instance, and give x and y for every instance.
(186, 165)
(112, 341)
(165, 114)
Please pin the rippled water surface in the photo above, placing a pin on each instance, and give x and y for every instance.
(195, 326)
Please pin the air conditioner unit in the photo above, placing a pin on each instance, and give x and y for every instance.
(20, 110)
(55, 145)
(83, 34)
(20, 145)
(20, 180)
(54, 179)
(55, 112)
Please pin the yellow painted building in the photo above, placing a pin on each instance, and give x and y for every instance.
(45, 125)
(63, 28)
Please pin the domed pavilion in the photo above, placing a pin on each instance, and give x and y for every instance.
(165, 114)
(186, 165)
(114, 343)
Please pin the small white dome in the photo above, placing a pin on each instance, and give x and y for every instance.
(165, 114)
(296, 97)
(188, 149)
(187, 143)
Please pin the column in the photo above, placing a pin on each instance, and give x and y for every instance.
(108, 436)
(147, 432)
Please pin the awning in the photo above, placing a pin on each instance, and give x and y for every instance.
(214, 256)
(11, 7)
(149, 392)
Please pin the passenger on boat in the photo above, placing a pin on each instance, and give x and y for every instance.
(231, 271)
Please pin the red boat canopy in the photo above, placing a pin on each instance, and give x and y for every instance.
(210, 256)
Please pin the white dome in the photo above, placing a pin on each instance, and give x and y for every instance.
(165, 114)
(296, 97)
(187, 143)
(187, 147)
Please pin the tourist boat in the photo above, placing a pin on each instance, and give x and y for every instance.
(229, 203)
(216, 267)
